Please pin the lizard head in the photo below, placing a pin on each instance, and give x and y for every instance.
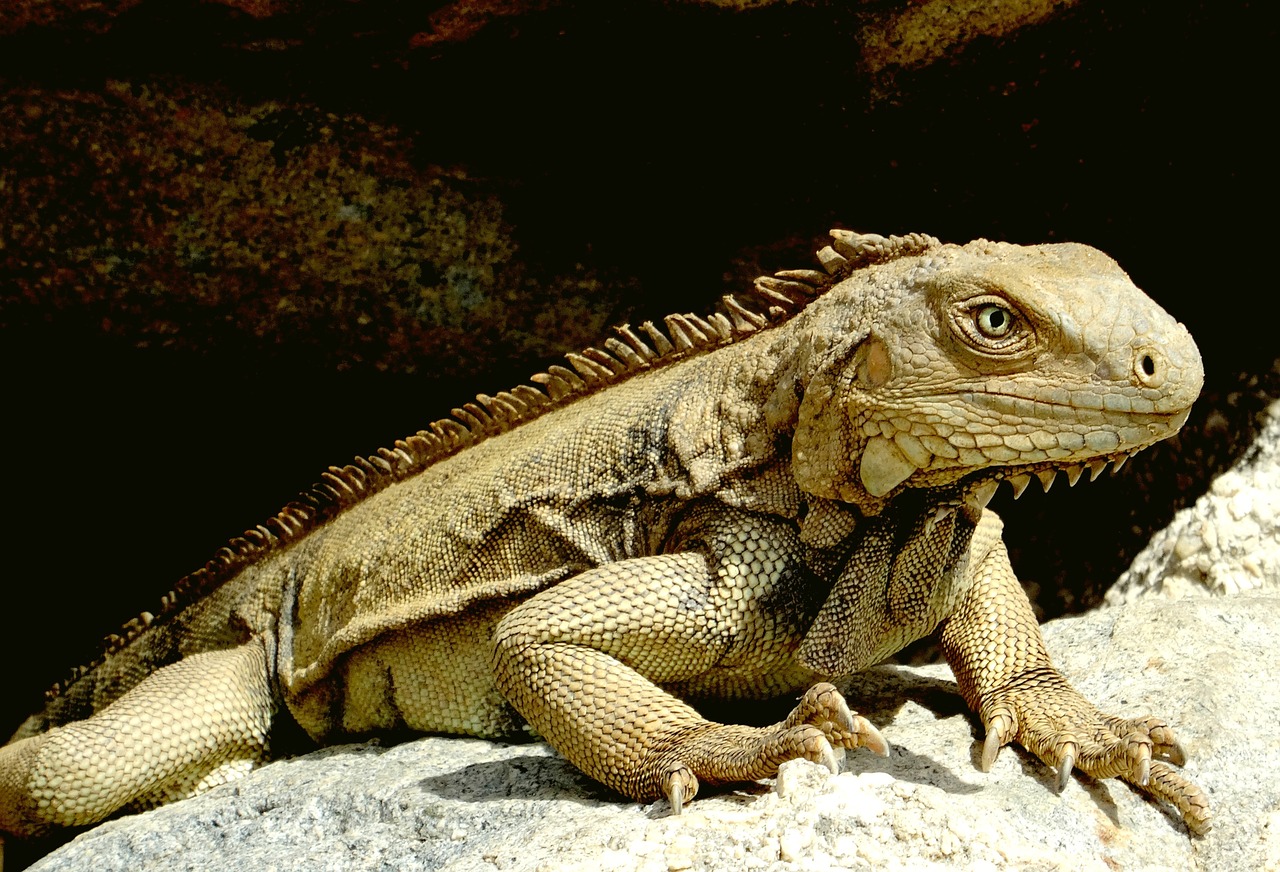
(982, 363)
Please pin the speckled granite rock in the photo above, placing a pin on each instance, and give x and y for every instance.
(1227, 542)
(911, 36)
(463, 804)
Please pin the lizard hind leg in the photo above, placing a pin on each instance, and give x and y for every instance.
(187, 727)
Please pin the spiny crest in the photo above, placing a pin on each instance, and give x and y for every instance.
(630, 351)
(848, 252)
(851, 251)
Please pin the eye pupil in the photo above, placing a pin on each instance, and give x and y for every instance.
(994, 321)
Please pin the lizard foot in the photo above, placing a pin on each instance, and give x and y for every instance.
(1056, 723)
(823, 707)
(819, 726)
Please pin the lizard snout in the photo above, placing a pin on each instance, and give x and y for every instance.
(1171, 364)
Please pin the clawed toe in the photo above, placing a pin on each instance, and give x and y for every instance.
(1066, 765)
(1000, 730)
(869, 737)
(824, 707)
(818, 750)
(862, 734)
(679, 785)
(1141, 766)
(823, 704)
(1186, 797)
(1174, 752)
(1167, 745)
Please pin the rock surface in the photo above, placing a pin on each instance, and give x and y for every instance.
(1208, 666)
(1227, 542)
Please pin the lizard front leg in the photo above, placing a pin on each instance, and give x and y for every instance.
(583, 661)
(994, 646)
(183, 729)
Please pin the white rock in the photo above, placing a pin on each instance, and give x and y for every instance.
(1228, 542)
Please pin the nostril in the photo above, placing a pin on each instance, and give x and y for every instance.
(1148, 367)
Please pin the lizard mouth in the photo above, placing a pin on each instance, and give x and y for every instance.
(981, 486)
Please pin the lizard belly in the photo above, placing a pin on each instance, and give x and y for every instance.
(433, 677)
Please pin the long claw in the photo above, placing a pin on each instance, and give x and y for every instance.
(871, 738)
(828, 758)
(1066, 766)
(675, 796)
(990, 750)
(679, 786)
(1143, 774)
(846, 719)
(1175, 753)
(998, 731)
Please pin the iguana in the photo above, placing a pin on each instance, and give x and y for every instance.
(739, 506)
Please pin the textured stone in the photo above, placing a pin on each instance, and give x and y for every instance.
(1227, 542)
(915, 35)
(466, 804)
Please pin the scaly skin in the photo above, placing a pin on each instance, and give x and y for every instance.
(729, 508)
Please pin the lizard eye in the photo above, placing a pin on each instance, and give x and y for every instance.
(993, 322)
(991, 325)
